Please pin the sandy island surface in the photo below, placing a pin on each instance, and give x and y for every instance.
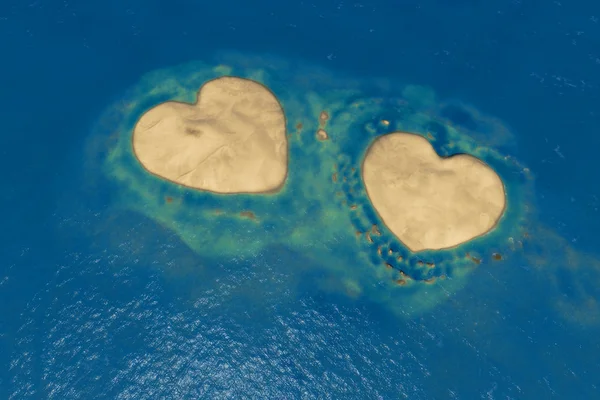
(232, 140)
(427, 201)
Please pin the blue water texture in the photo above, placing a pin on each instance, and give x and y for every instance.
(102, 316)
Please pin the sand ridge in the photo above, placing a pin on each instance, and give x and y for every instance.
(232, 140)
(427, 201)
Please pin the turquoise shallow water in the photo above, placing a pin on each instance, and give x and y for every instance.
(110, 292)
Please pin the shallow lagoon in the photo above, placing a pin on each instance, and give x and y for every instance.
(323, 210)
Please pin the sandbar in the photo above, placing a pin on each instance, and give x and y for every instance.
(427, 201)
(232, 140)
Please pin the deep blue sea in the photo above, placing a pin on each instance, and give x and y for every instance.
(97, 303)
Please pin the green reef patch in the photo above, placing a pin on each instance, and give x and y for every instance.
(322, 212)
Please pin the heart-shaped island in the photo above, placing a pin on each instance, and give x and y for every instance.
(232, 140)
(427, 201)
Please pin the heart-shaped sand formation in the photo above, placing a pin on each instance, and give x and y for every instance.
(232, 140)
(427, 201)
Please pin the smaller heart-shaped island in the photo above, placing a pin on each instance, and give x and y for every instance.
(232, 140)
(427, 201)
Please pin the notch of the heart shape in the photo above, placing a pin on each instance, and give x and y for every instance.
(232, 140)
(427, 201)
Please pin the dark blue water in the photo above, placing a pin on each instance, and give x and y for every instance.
(80, 319)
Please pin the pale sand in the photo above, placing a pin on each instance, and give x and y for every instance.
(232, 140)
(322, 134)
(427, 201)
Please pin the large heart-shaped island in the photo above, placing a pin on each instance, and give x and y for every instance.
(427, 201)
(232, 140)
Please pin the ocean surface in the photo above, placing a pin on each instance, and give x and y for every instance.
(108, 292)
